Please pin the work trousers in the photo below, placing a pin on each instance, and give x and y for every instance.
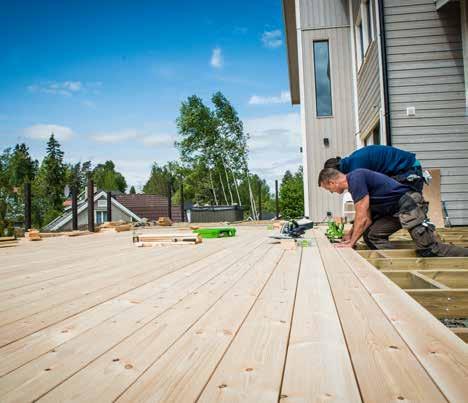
(412, 216)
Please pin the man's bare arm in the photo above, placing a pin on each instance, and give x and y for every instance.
(362, 221)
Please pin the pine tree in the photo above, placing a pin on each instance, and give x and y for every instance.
(49, 185)
(132, 190)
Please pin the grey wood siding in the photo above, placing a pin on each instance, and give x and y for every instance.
(317, 14)
(425, 70)
(340, 127)
(368, 88)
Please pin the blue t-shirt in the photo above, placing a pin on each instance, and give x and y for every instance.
(384, 192)
(384, 159)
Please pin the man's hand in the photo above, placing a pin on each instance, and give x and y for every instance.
(344, 244)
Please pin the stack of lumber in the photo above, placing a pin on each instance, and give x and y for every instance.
(167, 239)
(8, 241)
(123, 227)
(117, 226)
(33, 235)
(164, 221)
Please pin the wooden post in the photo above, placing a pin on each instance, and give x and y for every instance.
(169, 198)
(90, 205)
(74, 208)
(276, 199)
(259, 200)
(27, 206)
(182, 218)
(109, 206)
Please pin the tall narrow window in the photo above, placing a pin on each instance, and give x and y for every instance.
(323, 94)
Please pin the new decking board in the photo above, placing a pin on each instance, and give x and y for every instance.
(385, 368)
(443, 355)
(238, 319)
(20, 352)
(318, 366)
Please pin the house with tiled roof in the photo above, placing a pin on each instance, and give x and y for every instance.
(125, 207)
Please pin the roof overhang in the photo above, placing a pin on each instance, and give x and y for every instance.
(289, 13)
(442, 3)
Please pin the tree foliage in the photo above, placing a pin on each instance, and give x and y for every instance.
(213, 150)
(107, 178)
(292, 195)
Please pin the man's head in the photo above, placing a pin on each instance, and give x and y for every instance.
(333, 180)
(333, 163)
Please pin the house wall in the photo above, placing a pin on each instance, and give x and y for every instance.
(319, 20)
(117, 215)
(425, 70)
(368, 88)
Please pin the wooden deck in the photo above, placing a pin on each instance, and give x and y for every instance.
(94, 319)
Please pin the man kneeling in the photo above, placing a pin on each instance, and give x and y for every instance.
(383, 206)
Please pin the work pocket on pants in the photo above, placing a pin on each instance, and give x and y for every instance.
(412, 218)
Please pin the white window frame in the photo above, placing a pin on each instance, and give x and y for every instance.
(101, 213)
(359, 42)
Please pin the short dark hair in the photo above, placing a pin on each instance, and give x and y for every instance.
(327, 174)
(333, 163)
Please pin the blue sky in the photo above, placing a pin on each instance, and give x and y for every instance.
(108, 78)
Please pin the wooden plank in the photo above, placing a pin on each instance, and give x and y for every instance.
(182, 373)
(120, 366)
(461, 332)
(427, 282)
(252, 368)
(451, 278)
(317, 345)
(422, 263)
(385, 368)
(443, 303)
(178, 284)
(58, 313)
(408, 280)
(22, 306)
(441, 353)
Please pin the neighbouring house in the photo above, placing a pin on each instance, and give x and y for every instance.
(381, 72)
(128, 208)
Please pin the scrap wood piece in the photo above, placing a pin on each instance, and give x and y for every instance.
(432, 195)
(164, 221)
(7, 238)
(33, 235)
(176, 238)
(123, 227)
(155, 244)
(79, 233)
(112, 224)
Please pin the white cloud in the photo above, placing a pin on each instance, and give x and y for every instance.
(283, 98)
(89, 104)
(274, 144)
(216, 58)
(43, 132)
(158, 140)
(115, 137)
(66, 88)
(272, 39)
(144, 137)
